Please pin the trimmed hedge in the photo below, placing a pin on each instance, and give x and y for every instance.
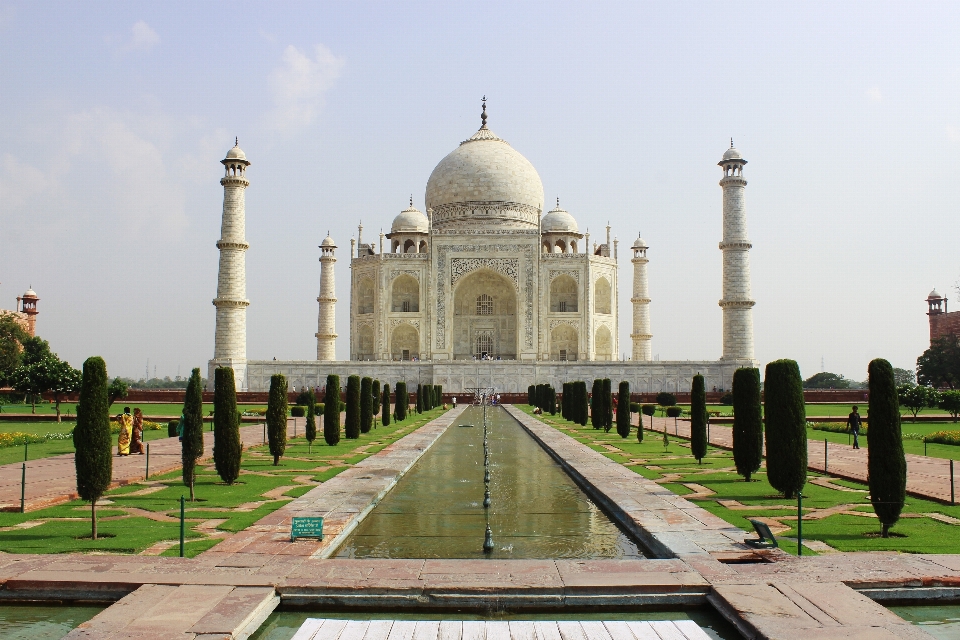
(366, 404)
(227, 448)
(698, 418)
(385, 406)
(276, 417)
(331, 410)
(401, 402)
(623, 409)
(297, 411)
(351, 426)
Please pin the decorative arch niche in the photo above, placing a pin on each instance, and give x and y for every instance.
(405, 342)
(365, 350)
(405, 294)
(365, 296)
(564, 295)
(602, 296)
(564, 343)
(603, 344)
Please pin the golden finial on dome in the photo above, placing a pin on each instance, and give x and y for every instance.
(411, 201)
(483, 116)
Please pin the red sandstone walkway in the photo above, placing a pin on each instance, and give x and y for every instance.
(927, 477)
(53, 480)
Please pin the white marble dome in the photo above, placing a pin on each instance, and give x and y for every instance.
(485, 170)
(236, 153)
(328, 242)
(732, 154)
(933, 295)
(410, 220)
(558, 221)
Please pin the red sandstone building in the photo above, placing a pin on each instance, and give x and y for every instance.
(26, 313)
(942, 323)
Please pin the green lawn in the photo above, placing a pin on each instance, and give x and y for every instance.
(51, 447)
(148, 408)
(839, 515)
(138, 516)
(910, 445)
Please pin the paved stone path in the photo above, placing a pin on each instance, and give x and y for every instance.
(53, 480)
(329, 629)
(927, 477)
(226, 595)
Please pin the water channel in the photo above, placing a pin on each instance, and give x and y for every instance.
(436, 510)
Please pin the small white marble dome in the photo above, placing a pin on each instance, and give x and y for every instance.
(30, 293)
(732, 154)
(484, 169)
(236, 153)
(639, 244)
(934, 294)
(328, 242)
(558, 221)
(410, 220)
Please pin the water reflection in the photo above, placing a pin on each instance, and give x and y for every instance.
(537, 511)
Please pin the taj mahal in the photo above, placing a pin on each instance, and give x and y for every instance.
(485, 289)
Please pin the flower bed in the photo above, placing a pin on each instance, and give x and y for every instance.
(945, 437)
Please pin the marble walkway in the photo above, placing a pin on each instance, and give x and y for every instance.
(927, 477)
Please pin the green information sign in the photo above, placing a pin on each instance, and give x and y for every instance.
(306, 528)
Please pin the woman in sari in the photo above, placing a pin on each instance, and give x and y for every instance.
(125, 420)
(136, 445)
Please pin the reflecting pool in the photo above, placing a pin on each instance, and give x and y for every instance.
(940, 621)
(42, 622)
(436, 510)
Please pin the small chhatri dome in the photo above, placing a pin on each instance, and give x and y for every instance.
(30, 293)
(236, 153)
(732, 153)
(934, 295)
(639, 244)
(410, 220)
(328, 242)
(558, 221)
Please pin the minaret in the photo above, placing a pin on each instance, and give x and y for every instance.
(641, 303)
(736, 303)
(27, 305)
(326, 320)
(230, 341)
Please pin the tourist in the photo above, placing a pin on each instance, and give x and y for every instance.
(180, 428)
(125, 420)
(853, 421)
(136, 445)
(454, 402)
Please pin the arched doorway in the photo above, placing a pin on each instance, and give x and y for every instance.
(405, 342)
(564, 343)
(602, 296)
(485, 316)
(603, 346)
(365, 342)
(563, 294)
(405, 295)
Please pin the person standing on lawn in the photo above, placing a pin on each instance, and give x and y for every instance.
(125, 420)
(853, 421)
(136, 446)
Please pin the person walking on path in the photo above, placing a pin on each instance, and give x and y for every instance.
(136, 445)
(125, 420)
(853, 421)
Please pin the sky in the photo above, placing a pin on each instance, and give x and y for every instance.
(115, 116)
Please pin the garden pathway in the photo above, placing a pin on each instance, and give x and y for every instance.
(927, 477)
(52, 480)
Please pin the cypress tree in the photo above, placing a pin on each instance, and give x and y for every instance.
(401, 402)
(886, 465)
(596, 405)
(607, 405)
(747, 422)
(439, 394)
(191, 448)
(227, 448)
(375, 400)
(786, 422)
(623, 409)
(530, 395)
(311, 427)
(351, 426)
(698, 419)
(385, 418)
(419, 398)
(277, 417)
(91, 437)
(331, 410)
(584, 402)
(366, 404)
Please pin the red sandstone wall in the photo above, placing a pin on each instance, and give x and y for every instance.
(944, 324)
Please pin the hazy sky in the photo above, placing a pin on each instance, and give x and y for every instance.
(114, 117)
